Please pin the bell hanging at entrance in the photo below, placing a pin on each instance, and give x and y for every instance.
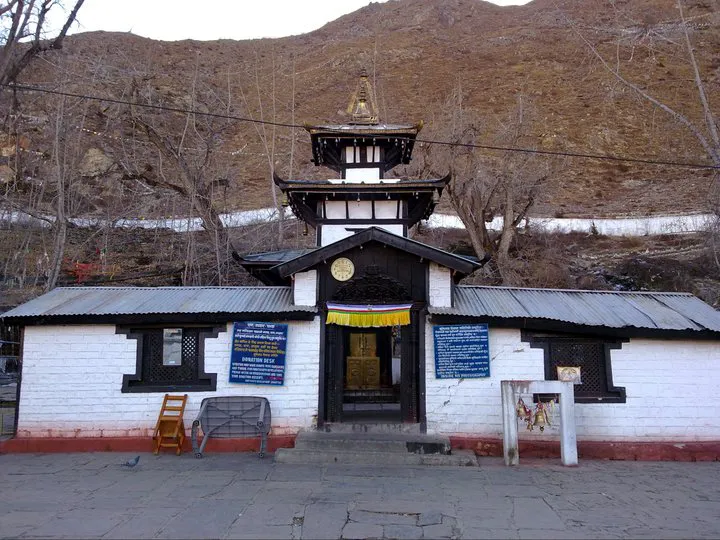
(521, 409)
(541, 418)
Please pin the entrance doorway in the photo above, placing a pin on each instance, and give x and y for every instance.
(371, 378)
(372, 375)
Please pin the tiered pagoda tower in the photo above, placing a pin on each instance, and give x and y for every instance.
(361, 152)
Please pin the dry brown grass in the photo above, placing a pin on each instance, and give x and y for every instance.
(416, 51)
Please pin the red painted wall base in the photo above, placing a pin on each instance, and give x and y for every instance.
(45, 445)
(630, 451)
(627, 451)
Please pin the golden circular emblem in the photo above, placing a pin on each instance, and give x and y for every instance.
(342, 269)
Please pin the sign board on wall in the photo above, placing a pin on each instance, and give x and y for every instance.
(258, 353)
(461, 351)
(569, 374)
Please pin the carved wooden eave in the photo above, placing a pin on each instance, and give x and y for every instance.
(306, 197)
(460, 266)
(259, 264)
(328, 142)
(372, 287)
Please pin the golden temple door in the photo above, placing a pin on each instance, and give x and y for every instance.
(363, 363)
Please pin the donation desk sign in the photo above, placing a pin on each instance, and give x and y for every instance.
(461, 351)
(258, 353)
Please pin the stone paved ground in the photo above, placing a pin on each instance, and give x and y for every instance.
(241, 496)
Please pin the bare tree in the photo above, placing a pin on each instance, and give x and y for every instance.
(696, 116)
(629, 34)
(56, 144)
(268, 135)
(485, 185)
(187, 160)
(24, 33)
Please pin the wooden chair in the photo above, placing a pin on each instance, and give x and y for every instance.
(170, 429)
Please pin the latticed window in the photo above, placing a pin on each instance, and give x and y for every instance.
(169, 359)
(160, 367)
(588, 356)
(591, 355)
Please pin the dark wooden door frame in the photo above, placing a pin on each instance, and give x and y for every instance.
(412, 371)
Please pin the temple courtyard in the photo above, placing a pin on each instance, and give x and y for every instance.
(92, 495)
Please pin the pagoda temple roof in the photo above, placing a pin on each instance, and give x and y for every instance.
(372, 130)
(329, 141)
(258, 264)
(384, 186)
(303, 196)
(277, 267)
(461, 265)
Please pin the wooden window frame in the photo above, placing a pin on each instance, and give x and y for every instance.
(204, 382)
(611, 394)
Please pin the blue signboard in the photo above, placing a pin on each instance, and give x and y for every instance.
(258, 353)
(461, 351)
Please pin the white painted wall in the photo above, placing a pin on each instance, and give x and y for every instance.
(361, 209)
(367, 175)
(386, 209)
(358, 210)
(473, 406)
(640, 226)
(671, 390)
(72, 377)
(305, 288)
(353, 154)
(643, 226)
(335, 233)
(440, 285)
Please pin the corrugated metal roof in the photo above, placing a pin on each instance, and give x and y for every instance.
(276, 256)
(68, 301)
(656, 311)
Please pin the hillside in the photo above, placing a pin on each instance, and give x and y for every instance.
(111, 160)
(416, 51)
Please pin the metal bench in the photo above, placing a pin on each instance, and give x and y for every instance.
(230, 417)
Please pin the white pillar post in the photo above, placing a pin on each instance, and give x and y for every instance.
(568, 438)
(511, 452)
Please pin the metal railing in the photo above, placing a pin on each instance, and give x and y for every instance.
(7, 418)
(9, 380)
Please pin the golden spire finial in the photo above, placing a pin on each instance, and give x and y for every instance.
(362, 106)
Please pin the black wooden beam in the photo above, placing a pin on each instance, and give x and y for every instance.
(461, 265)
(164, 318)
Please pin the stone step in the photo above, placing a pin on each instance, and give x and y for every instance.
(373, 448)
(370, 427)
(372, 442)
(322, 445)
(298, 456)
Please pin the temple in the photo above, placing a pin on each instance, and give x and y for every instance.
(372, 280)
(360, 152)
(371, 327)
